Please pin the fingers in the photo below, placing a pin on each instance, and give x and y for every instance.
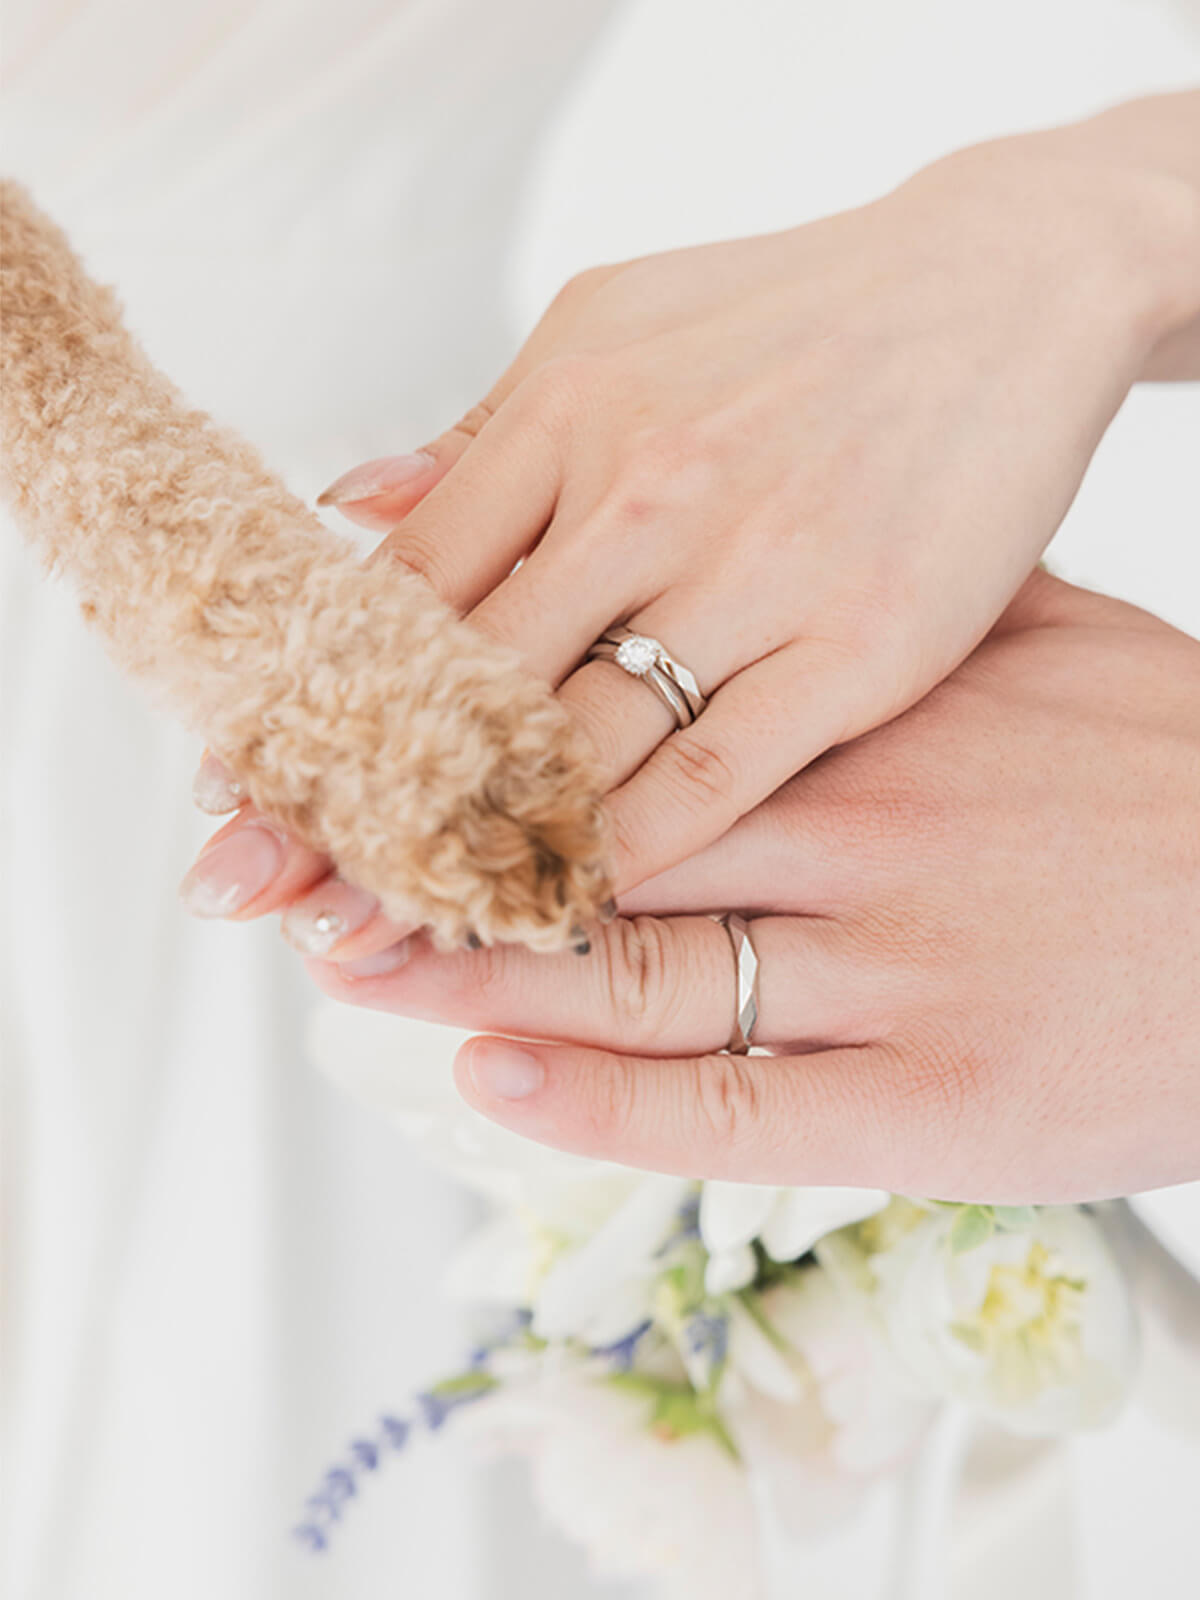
(622, 715)
(252, 867)
(248, 868)
(662, 987)
(336, 921)
(757, 731)
(469, 531)
(559, 601)
(379, 493)
(789, 854)
(851, 1116)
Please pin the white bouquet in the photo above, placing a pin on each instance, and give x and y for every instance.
(677, 1358)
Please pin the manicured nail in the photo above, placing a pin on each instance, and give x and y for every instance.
(503, 1072)
(376, 477)
(389, 960)
(215, 789)
(231, 874)
(320, 922)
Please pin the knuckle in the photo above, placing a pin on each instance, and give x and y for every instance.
(475, 420)
(637, 971)
(697, 768)
(728, 1099)
(418, 554)
(667, 460)
(611, 1108)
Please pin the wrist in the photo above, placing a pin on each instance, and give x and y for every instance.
(1148, 153)
(1104, 222)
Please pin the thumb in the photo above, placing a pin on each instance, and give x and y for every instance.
(850, 1116)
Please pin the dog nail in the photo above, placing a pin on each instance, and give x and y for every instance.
(608, 911)
(474, 942)
(234, 872)
(319, 923)
(215, 790)
(376, 477)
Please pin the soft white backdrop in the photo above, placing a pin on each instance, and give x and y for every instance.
(331, 223)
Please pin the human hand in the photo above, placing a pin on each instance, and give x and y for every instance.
(817, 465)
(979, 941)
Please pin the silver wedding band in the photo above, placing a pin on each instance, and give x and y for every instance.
(745, 960)
(648, 659)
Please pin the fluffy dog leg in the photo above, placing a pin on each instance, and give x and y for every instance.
(357, 709)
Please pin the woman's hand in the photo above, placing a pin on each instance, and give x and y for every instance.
(978, 932)
(816, 465)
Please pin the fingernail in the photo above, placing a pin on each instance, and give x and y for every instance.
(215, 789)
(389, 960)
(376, 477)
(231, 874)
(503, 1072)
(315, 926)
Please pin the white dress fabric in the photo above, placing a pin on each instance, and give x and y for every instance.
(217, 1268)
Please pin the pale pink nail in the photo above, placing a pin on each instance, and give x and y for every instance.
(503, 1072)
(376, 477)
(231, 874)
(215, 789)
(389, 960)
(318, 923)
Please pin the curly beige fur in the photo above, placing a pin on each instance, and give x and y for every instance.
(357, 709)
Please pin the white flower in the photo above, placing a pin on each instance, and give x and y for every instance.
(818, 1406)
(602, 1289)
(1034, 1326)
(640, 1502)
(587, 1271)
(787, 1222)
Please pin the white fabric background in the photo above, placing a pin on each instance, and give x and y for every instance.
(217, 1268)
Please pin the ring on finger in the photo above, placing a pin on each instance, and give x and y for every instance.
(745, 959)
(648, 659)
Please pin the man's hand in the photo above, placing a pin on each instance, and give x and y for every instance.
(979, 942)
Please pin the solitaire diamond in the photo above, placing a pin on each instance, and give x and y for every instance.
(637, 654)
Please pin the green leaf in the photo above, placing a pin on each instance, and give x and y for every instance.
(465, 1383)
(753, 1308)
(677, 1408)
(973, 1226)
(1015, 1218)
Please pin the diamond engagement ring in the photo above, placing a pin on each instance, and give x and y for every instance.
(745, 959)
(645, 658)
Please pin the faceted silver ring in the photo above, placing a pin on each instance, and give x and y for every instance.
(646, 658)
(745, 960)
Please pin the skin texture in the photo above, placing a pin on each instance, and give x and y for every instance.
(979, 935)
